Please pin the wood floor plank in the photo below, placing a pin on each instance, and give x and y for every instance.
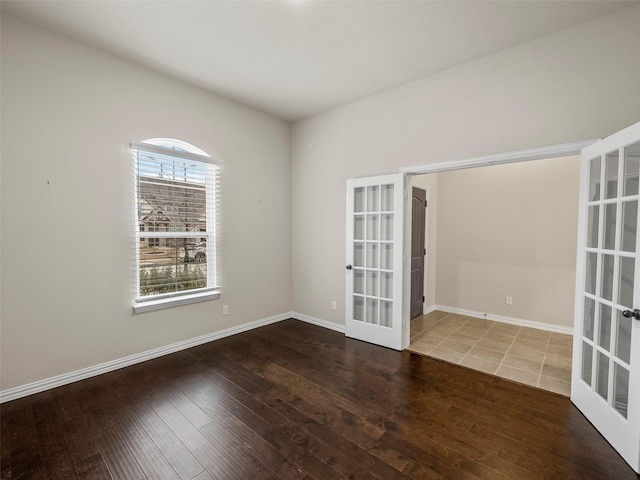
(144, 450)
(292, 401)
(184, 430)
(116, 454)
(93, 468)
(23, 441)
(179, 456)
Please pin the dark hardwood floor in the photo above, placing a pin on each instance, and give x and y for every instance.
(295, 401)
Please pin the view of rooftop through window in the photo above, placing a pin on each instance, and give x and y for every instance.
(175, 217)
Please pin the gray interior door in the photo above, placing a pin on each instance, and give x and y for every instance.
(418, 205)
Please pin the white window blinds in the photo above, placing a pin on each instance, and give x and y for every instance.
(177, 219)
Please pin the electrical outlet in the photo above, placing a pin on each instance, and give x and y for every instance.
(225, 310)
(508, 300)
(334, 305)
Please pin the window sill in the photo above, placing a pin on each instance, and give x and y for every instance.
(143, 306)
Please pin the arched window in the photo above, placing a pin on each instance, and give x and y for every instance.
(177, 218)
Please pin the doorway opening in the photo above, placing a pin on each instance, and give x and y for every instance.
(501, 266)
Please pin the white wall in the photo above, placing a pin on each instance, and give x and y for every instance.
(68, 115)
(577, 84)
(510, 230)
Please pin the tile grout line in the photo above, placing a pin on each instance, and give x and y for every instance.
(508, 349)
(439, 321)
(475, 344)
(546, 349)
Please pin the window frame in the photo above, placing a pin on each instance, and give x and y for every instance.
(181, 151)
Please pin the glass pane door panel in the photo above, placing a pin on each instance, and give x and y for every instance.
(590, 274)
(623, 338)
(610, 226)
(611, 175)
(358, 200)
(373, 199)
(358, 227)
(594, 180)
(607, 276)
(372, 255)
(626, 281)
(358, 254)
(358, 282)
(589, 316)
(373, 306)
(372, 311)
(386, 313)
(592, 227)
(386, 256)
(386, 204)
(386, 285)
(629, 226)
(587, 362)
(631, 169)
(358, 308)
(604, 334)
(387, 227)
(372, 283)
(621, 389)
(373, 226)
(602, 375)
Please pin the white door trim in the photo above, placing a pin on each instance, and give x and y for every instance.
(539, 153)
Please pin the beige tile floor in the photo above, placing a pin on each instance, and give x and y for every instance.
(526, 355)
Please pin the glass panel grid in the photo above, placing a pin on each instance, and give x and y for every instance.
(358, 308)
(626, 281)
(610, 265)
(372, 311)
(594, 180)
(358, 199)
(611, 175)
(604, 330)
(621, 389)
(602, 374)
(373, 250)
(623, 337)
(386, 203)
(372, 255)
(589, 317)
(591, 272)
(631, 169)
(386, 313)
(629, 226)
(610, 223)
(592, 226)
(607, 277)
(372, 283)
(587, 363)
(373, 226)
(373, 199)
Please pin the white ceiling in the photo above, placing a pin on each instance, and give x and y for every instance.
(295, 58)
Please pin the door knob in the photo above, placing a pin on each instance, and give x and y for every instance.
(635, 313)
(349, 267)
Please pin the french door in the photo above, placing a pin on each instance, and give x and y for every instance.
(375, 214)
(606, 355)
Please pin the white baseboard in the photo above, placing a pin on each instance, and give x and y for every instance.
(84, 373)
(66, 378)
(500, 318)
(430, 309)
(317, 321)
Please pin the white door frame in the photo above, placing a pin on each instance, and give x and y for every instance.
(560, 150)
